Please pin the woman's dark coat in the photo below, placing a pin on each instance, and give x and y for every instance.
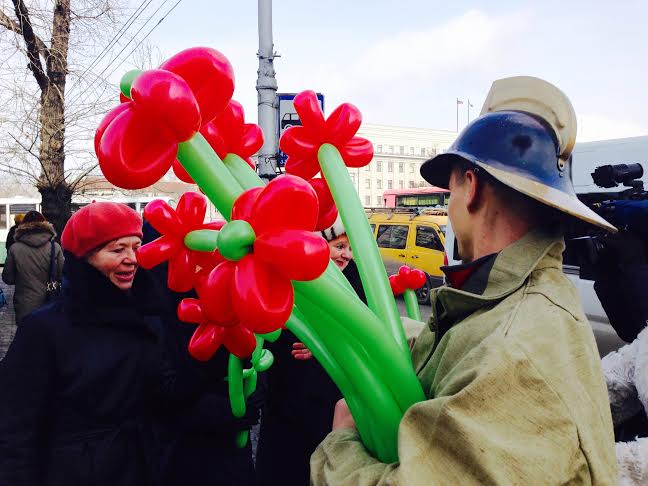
(299, 410)
(79, 385)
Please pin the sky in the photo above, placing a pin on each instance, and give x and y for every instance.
(405, 63)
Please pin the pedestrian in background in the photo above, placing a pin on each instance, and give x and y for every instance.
(30, 262)
(11, 235)
(84, 373)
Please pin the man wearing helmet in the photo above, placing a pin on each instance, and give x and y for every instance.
(508, 359)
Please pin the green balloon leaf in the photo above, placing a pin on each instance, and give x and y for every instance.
(235, 240)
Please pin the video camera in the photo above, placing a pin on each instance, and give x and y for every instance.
(617, 263)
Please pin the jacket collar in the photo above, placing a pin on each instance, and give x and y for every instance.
(509, 271)
(91, 298)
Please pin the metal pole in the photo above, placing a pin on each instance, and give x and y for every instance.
(457, 103)
(267, 88)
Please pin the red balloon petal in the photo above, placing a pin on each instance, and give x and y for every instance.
(133, 152)
(262, 300)
(215, 295)
(296, 142)
(343, 124)
(287, 202)
(239, 341)
(123, 99)
(251, 163)
(189, 311)
(304, 168)
(358, 152)
(310, 114)
(328, 212)
(164, 219)
(166, 98)
(396, 285)
(244, 204)
(295, 254)
(210, 76)
(181, 271)
(181, 173)
(205, 341)
(191, 209)
(411, 278)
(251, 140)
(107, 120)
(157, 251)
(214, 139)
(214, 225)
(229, 124)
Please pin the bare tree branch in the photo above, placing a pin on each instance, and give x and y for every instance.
(33, 53)
(14, 26)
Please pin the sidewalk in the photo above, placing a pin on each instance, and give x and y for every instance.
(7, 320)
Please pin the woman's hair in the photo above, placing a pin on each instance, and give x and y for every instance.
(33, 217)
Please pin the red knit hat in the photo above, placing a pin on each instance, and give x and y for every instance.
(98, 223)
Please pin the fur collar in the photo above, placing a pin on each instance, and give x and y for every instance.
(35, 227)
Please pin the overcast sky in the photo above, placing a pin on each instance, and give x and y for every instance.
(404, 63)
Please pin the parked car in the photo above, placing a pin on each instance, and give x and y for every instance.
(413, 237)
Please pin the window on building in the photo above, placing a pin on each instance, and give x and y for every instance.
(401, 150)
(427, 237)
(367, 183)
(411, 168)
(379, 149)
(378, 183)
(400, 167)
(390, 167)
(392, 236)
(391, 149)
(411, 184)
(379, 165)
(378, 200)
(390, 184)
(400, 184)
(423, 151)
(411, 150)
(367, 201)
(367, 167)
(3, 217)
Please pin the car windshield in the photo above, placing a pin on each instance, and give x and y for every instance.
(442, 227)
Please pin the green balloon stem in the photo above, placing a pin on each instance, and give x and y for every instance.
(242, 172)
(201, 240)
(271, 336)
(235, 386)
(366, 255)
(266, 361)
(411, 305)
(241, 439)
(208, 171)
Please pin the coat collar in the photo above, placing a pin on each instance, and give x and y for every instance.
(90, 297)
(509, 271)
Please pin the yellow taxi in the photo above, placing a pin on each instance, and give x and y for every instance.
(413, 237)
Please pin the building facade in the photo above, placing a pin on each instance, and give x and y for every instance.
(399, 153)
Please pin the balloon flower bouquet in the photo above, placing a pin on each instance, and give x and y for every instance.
(266, 267)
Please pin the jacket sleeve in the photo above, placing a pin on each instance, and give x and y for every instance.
(25, 391)
(619, 371)
(472, 433)
(633, 462)
(60, 260)
(9, 270)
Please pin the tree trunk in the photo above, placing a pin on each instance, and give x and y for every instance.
(55, 191)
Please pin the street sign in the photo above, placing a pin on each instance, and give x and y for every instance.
(287, 116)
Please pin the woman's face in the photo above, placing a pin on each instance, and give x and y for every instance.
(340, 251)
(116, 260)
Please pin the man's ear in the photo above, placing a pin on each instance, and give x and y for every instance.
(473, 190)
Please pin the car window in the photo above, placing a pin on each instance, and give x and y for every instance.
(392, 236)
(426, 237)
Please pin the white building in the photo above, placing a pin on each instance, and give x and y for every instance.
(398, 155)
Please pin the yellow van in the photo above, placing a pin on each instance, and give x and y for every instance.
(411, 237)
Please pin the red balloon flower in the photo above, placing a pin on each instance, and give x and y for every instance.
(228, 134)
(137, 141)
(216, 323)
(407, 278)
(302, 143)
(174, 226)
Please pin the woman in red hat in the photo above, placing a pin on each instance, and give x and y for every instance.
(80, 380)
